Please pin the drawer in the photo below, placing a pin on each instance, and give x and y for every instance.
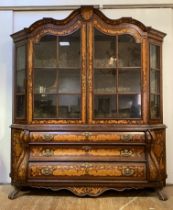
(116, 137)
(86, 153)
(87, 170)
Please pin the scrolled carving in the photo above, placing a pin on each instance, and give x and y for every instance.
(90, 191)
(87, 12)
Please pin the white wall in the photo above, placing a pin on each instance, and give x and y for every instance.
(161, 19)
(79, 2)
(5, 92)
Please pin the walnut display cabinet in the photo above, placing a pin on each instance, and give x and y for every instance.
(87, 113)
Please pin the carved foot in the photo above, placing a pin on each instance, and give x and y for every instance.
(161, 194)
(16, 193)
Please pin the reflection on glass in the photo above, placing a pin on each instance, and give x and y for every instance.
(104, 81)
(154, 56)
(20, 106)
(104, 50)
(155, 106)
(69, 50)
(105, 106)
(155, 81)
(69, 106)
(129, 81)
(129, 52)
(130, 106)
(69, 81)
(45, 106)
(45, 52)
(45, 80)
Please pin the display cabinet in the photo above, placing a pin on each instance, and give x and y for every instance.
(87, 111)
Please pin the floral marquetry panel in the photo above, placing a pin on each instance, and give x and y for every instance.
(87, 169)
(86, 153)
(132, 137)
(19, 156)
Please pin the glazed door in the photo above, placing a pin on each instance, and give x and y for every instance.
(115, 86)
(155, 82)
(59, 81)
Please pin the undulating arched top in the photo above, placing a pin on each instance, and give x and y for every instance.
(84, 14)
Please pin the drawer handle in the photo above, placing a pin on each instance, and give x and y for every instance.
(86, 134)
(46, 171)
(128, 171)
(48, 137)
(126, 153)
(126, 137)
(47, 152)
(86, 148)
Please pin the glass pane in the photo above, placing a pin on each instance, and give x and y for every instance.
(155, 105)
(154, 56)
(129, 81)
(104, 50)
(69, 81)
(45, 106)
(129, 52)
(45, 52)
(45, 80)
(20, 64)
(69, 106)
(104, 81)
(20, 81)
(20, 106)
(130, 106)
(69, 50)
(104, 106)
(155, 81)
(21, 58)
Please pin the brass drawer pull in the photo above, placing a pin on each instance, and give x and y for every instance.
(46, 171)
(128, 171)
(126, 153)
(86, 148)
(48, 137)
(87, 134)
(47, 152)
(126, 137)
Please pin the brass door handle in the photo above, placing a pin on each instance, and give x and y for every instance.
(128, 171)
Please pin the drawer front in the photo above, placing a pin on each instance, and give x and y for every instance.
(87, 170)
(86, 153)
(119, 137)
